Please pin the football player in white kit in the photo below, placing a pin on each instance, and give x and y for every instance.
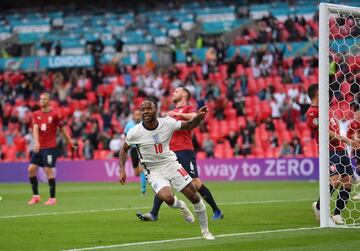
(163, 171)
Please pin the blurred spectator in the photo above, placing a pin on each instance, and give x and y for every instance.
(290, 113)
(239, 103)
(115, 145)
(275, 108)
(296, 146)
(304, 103)
(88, 150)
(293, 93)
(93, 134)
(274, 141)
(20, 145)
(2, 153)
(220, 105)
(189, 57)
(208, 146)
(286, 149)
(220, 49)
(269, 124)
(58, 48)
(298, 62)
(212, 91)
(251, 125)
(247, 142)
(63, 91)
(232, 138)
(119, 44)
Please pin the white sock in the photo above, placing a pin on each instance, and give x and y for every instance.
(177, 203)
(200, 211)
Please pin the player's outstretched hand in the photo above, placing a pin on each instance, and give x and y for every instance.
(122, 177)
(202, 111)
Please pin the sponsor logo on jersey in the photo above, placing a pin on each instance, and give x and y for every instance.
(50, 119)
(38, 117)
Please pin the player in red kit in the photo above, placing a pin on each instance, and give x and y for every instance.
(45, 124)
(181, 144)
(339, 163)
(354, 133)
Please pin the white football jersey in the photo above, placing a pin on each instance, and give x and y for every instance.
(153, 145)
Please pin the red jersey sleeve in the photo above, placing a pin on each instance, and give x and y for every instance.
(35, 120)
(60, 120)
(312, 119)
(190, 109)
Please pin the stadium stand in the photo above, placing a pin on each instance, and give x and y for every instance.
(254, 85)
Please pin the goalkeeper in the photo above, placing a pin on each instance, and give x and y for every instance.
(339, 164)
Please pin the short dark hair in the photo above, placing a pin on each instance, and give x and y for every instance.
(188, 93)
(152, 101)
(312, 91)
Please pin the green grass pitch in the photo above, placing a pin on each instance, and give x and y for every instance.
(258, 216)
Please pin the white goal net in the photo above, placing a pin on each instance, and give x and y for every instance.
(339, 79)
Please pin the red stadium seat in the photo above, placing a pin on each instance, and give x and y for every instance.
(201, 155)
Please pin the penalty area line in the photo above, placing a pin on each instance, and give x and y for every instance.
(192, 238)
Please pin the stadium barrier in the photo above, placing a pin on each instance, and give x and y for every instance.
(43, 63)
(209, 169)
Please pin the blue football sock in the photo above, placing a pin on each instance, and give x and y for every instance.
(143, 182)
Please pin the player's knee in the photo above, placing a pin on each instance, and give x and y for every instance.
(194, 198)
(49, 173)
(197, 183)
(169, 199)
(137, 171)
(32, 170)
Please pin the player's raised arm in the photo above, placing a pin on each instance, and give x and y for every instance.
(189, 125)
(122, 161)
(186, 116)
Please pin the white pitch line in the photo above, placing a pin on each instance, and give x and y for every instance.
(191, 238)
(72, 212)
(139, 208)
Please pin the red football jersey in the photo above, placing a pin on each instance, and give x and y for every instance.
(354, 127)
(312, 120)
(48, 123)
(181, 139)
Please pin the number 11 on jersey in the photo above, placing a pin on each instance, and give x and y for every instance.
(158, 148)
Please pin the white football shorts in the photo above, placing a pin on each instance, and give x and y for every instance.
(169, 175)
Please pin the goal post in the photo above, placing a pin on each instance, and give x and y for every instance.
(324, 114)
(339, 43)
